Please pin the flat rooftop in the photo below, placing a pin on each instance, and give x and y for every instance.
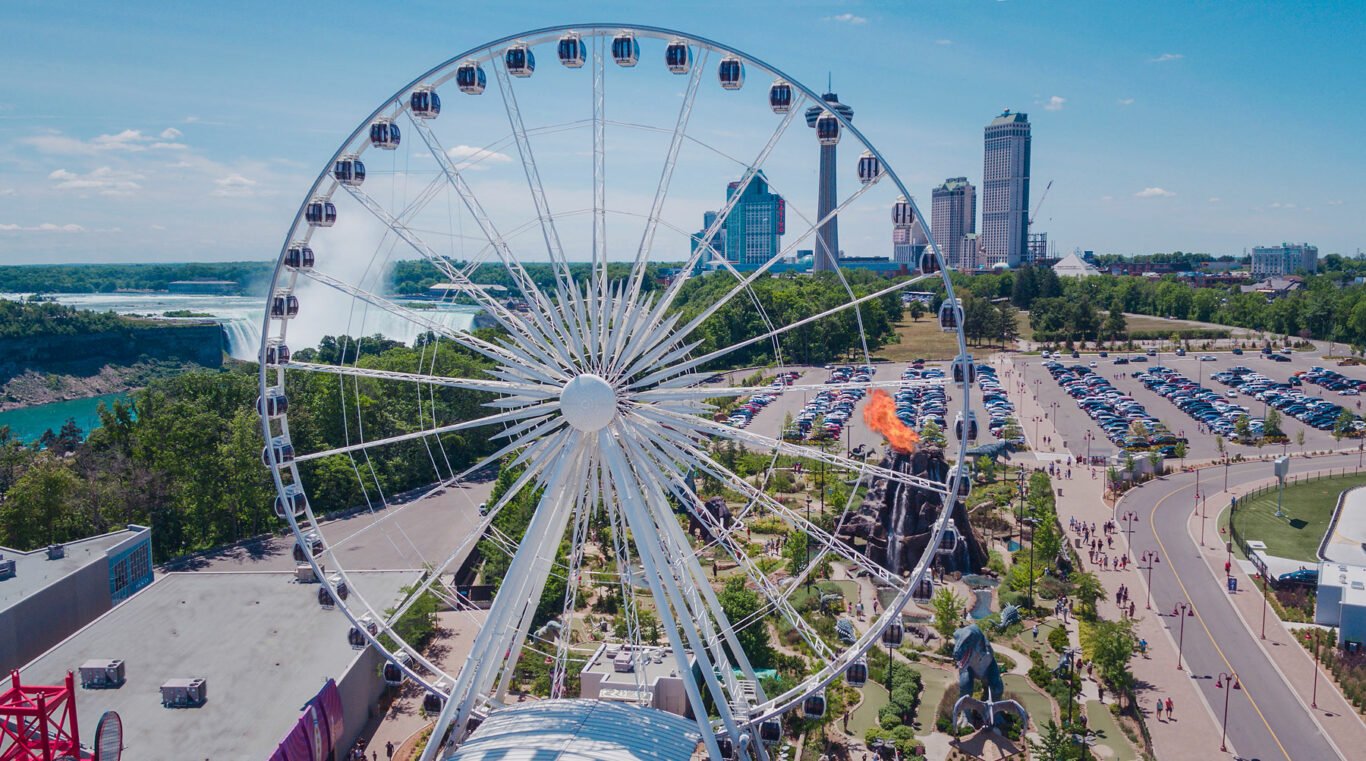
(33, 570)
(261, 641)
(655, 663)
(570, 730)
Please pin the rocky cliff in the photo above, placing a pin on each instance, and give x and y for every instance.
(200, 343)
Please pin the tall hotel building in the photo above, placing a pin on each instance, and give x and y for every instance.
(953, 218)
(827, 243)
(1005, 191)
(750, 235)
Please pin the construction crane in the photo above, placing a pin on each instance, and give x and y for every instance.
(1040, 203)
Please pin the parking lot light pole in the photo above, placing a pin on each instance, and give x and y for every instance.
(1184, 610)
(1224, 682)
(1151, 558)
(1088, 438)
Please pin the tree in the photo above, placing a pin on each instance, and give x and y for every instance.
(739, 603)
(1054, 744)
(1180, 451)
(1009, 324)
(1299, 438)
(1272, 424)
(1115, 324)
(1343, 425)
(931, 433)
(1109, 646)
(917, 309)
(948, 610)
(38, 504)
(1219, 442)
(1242, 428)
(1087, 588)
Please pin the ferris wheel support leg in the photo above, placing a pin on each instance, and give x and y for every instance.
(660, 583)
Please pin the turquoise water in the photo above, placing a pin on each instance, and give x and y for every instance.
(982, 608)
(29, 423)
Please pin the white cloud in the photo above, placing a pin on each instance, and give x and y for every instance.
(127, 141)
(12, 191)
(1335, 203)
(1280, 205)
(1154, 193)
(191, 119)
(1107, 198)
(157, 227)
(1054, 103)
(1165, 57)
(848, 18)
(235, 186)
(943, 42)
(469, 157)
(171, 133)
(1126, 101)
(1215, 199)
(104, 180)
(46, 227)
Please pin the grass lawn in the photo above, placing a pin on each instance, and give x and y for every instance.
(1108, 734)
(933, 683)
(1038, 705)
(923, 338)
(1308, 508)
(865, 716)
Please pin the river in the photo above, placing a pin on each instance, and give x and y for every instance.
(241, 316)
(29, 423)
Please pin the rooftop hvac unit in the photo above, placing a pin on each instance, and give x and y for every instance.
(7, 569)
(184, 693)
(623, 663)
(102, 674)
(55, 552)
(303, 573)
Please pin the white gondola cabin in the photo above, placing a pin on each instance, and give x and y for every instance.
(320, 212)
(771, 730)
(338, 586)
(929, 263)
(725, 747)
(731, 72)
(857, 673)
(894, 634)
(385, 134)
(827, 129)
(965, 428)
(425, 103)
(780, 97)
(678, 57)
(964, 483)
(349, 170)
(869, 168)
(520, 61)
(299, 256)
(964, 369)
(950, 315)
(393, 671)
(431, 703)
(470, 78)
(293, 502)
(277, 353)
(948, 541)
(283, 450)
(924, 590)
(902, 213)
(572, 51)
(284, 305)
(813, 706)
(625, 49)
(311, 547)
(273, 404)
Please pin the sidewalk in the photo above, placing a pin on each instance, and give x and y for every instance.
(1338, 719)
(1155, 673)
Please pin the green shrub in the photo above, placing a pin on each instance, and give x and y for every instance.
(1057, 639)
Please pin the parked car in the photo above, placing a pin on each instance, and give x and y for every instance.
(1237, 352)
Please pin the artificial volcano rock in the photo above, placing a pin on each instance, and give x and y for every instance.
(897, 519)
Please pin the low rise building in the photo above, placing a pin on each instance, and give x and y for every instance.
(623, 673)
(1341, 601)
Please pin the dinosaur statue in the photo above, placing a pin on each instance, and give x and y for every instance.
(976, 662)
(1010, 615)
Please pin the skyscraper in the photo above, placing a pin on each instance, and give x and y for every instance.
(1005, 190)
(908, 243)
(755, 224)
(828, 132)
(953, 217)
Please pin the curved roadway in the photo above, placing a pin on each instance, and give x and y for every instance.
(1266, 720)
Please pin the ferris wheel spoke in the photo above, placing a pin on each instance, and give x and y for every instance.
(527, 368)
(534, 392)
(663, 393)
(704, 244)
(587, 499)
(540, 308)
(666, 176)
(537, 411)
(699, 361)
(667, 595)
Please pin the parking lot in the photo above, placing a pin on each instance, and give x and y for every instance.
(1073, 425)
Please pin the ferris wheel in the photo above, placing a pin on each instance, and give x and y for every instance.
(599, 383)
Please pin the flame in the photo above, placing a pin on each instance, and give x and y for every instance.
(880, 415)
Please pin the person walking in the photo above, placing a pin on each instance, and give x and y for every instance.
(389, 749)
(1169, 708)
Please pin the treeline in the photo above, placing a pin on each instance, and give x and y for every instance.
(31, 319)
(252, 277)
(787, 300)
(185, 456)
(411, 277)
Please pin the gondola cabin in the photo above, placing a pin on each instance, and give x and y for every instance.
(470, 78)
(299, 257)
(924, 590)
(678, 57)
(894, 634)
(827, 129)
(520, 61)
(731, 72)
(902, 213)
(273, 404)
(869, 168)
(284, 305)
(349, 171)
(281, 448)
(929, 263)
(948, 541)
(625, 49)
(431, 703)
(293, 502)
(813, 706)
(965, 428)
(725, 747)
(385, 134)
(572, 51)
(771, 730)
(425, 103)
(964, 369)
(780, 97)
(950, 315)
(277, 353)
(857, 673)
(320, 212)
(964, 483)
(393, 669)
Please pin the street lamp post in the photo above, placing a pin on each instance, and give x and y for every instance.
(1129, 519)
(1265, 601)
(1019, 511)
(1184, 610)
(1223, 682)
(1071, 682)
(1088, 438)
(1225, 472)
(1033, 523)
(807, 565)
(1151, 558)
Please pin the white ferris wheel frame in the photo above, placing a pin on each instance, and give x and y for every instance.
(524, 419)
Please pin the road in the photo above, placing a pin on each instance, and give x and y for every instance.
(1266, 720)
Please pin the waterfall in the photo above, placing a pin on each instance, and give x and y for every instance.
(244, 336)
(903, 496)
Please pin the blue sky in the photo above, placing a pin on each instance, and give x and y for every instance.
(190, 131)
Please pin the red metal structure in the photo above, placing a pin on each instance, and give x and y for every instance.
(39, 723)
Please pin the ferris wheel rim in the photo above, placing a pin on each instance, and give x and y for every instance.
(490, 50)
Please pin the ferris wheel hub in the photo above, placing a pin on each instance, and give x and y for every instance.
(588, 403)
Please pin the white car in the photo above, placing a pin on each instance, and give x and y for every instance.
(1207, 358)
(1091, 363)
(1231, 394)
